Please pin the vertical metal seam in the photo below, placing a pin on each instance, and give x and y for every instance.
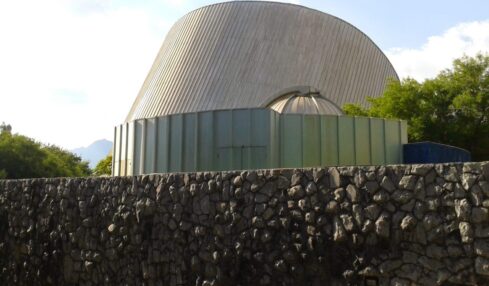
(155, 155)
(133, 139)
(302, 140)
(355, 140)
(370, 140)
(142, 156)
(127, 149)
(213, 145)
(399, 127)
(232, 139)
(282, 140)
(196, 141)
(338, 146)
(250, 134)
(182, 142)
(320, 139)
(168, 143)
(119, 173)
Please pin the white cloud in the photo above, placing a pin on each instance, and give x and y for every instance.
(70, 69)
(439, 51)
(67, 78)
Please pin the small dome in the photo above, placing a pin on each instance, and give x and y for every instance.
(304, 100)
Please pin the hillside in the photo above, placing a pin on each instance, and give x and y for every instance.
(94, 152)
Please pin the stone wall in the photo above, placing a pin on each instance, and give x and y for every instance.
(387, 225)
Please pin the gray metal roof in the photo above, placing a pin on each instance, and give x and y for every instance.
(241, 54)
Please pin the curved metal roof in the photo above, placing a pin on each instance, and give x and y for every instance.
(240, 54)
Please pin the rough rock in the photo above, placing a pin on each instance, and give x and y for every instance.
(482, 266)
(352, 193)
(389, 225)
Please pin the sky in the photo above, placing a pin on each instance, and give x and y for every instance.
(71, 69)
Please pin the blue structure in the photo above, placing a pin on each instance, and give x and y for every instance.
(430, 152)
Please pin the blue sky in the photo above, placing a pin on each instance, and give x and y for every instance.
(405, 24)
(70, 69)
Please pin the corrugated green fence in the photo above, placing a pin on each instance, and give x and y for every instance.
(254, 139)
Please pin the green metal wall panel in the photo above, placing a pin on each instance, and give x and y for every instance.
(362, 141)
(189, 142)
(238, 158)
(329, 140)
(242, 133)
(205, 159)
(163, 144)
(130, 148)
(291, 140)
(403, 129)
(123, 149)
(224, 158)
(377, 141)
(138, 147)
(311, 141)
(176, 142)
(260, 146)
(224, 128)
(150, 146)
(393, 146)
(346, 140)
(260, 127)
(252, 139)
(242, 136)
(404, 133)
(258, 158)
(224, 134)
(274, 146)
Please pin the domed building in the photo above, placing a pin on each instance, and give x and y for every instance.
(245, 84)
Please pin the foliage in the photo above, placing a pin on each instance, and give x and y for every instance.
(452, 108)
(104, 166)
(5, 127)
(62, 163)
(355, 109)
(22, 157)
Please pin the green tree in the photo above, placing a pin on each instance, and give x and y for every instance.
(452, 108)
(5, 127)
(62, 163)
(22, 157)
(104, 166)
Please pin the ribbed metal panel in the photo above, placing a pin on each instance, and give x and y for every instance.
(254, 139)
(240, 54)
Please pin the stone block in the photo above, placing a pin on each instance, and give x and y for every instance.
(482, 266)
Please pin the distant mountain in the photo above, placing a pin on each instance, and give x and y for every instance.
(94, 152)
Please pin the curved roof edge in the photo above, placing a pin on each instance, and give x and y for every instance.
(295, 5)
